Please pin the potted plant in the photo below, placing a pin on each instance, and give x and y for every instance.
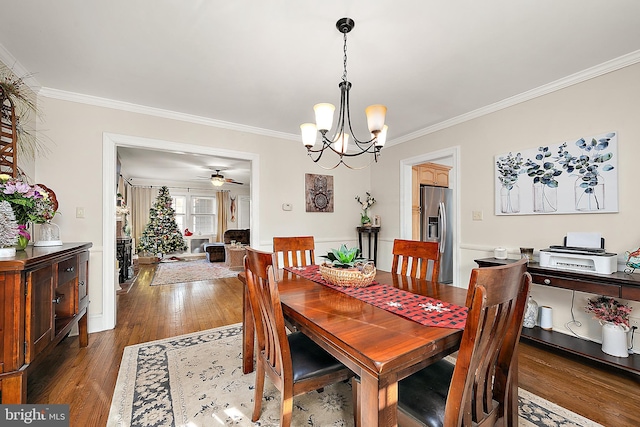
(345, 267)
(614, 318)
(364, 216)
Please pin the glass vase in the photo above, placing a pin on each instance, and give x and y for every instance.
(589, 195)
(531, 313)
(510, 199)
(21, 243)
(545, 198)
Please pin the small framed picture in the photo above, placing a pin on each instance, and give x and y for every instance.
(376, 220)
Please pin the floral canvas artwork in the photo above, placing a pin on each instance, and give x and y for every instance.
(575, 176)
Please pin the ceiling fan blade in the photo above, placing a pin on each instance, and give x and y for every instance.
(233, 181)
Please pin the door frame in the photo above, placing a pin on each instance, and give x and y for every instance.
(110, 143)
(451, 157)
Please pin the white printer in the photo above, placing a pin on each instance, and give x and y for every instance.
(582, 252)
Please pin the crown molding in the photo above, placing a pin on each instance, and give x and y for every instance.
(158, 112)
(590, 73)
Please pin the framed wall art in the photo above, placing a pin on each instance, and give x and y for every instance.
(318, 192)
(575, 176)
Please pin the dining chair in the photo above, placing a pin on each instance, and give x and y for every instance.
(294, 363)
(476, 390)
(413, 258)
(297, 251)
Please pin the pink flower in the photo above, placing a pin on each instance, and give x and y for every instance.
(22, 231)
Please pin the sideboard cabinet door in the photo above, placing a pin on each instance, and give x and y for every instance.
(39, 310)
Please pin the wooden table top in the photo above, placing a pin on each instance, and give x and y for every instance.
(370, 338)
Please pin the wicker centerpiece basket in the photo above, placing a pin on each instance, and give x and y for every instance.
(359, 276)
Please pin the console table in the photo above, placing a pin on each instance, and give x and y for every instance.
(370, 232)
(43, 293)
(617, 285)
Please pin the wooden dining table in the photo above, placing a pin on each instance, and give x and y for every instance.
(379, 346)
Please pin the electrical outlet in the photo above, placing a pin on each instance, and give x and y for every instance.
(634, 321)
(476, 215)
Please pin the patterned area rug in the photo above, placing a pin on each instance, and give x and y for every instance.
(196, 380)
(190, 271)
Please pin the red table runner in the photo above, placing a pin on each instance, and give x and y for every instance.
(419, 308)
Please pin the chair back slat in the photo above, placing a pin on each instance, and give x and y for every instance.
(297, 251)
(480, 385)
(416, 259)
(267, 310)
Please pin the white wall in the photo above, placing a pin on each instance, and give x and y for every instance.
(74, 170)
(607, 103)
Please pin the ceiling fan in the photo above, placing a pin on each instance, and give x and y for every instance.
(217, 179)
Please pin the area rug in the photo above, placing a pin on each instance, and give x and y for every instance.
(196, 380)
(190, 271)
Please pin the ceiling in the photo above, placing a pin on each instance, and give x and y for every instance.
(261, 65)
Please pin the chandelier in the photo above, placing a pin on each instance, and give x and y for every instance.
(339, 141)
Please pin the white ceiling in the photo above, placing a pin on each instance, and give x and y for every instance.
(262, 65)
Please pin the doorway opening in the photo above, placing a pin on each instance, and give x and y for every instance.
(109, 151)
(449, 158)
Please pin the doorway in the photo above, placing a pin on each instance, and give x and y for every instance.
(451, 158)
(109, 148)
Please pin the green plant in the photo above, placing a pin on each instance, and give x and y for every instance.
(544, 172)
(509, 167)
(344, 257)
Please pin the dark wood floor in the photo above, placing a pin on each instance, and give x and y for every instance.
(85, 378)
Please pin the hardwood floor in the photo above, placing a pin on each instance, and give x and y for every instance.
(85, 378)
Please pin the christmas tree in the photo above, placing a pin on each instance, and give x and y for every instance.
(161, 235)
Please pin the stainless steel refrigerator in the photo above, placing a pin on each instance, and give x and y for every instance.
(435, 225)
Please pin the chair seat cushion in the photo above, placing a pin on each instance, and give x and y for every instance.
(309, 359)
(423, 395)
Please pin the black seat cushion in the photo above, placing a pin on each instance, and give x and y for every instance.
(423, 395)
(309, 359)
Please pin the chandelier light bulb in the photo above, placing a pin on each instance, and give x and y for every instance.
(381, 138)
(309, 134)
(342, 143)
(324, 116)
(375, 117)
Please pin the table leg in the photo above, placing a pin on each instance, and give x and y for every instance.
(248, 334)
(375, 249)
(378, 403)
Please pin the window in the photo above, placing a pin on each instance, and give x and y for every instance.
(199, 217)
(179, 204)
(203, 215)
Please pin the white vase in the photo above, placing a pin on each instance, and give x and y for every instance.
(614, 339)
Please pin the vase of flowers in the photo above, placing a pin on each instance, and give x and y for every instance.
(545, 185)
(509, 168)
(364, 216)
(589, 187)
(30, 204)
(614, 318)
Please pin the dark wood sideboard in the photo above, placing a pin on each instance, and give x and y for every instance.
(617, 285)
(43, 293)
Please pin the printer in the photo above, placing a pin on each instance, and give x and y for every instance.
(582, 252)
